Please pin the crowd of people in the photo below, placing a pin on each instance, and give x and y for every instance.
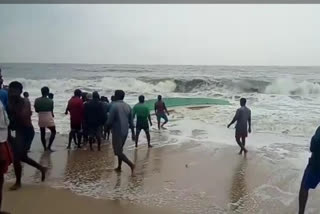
(93, 118)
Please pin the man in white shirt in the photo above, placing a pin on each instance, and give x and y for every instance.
(5, 152)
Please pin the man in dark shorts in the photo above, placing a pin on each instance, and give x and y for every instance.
(120, 119)
(311, 177)
(94, 119)
(243, 118)
(161, 110)
(75, 107)
(44, 107)
(143, 115)
(20, 122)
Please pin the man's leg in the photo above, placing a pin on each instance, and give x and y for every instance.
(43, 138)
(243, 141)
(159, 120)
(124, 158)
(79, 136)
(25, 139)
(137, 136)
(98, 137)
(52, 136)
(240, 144)
(306, 182)
(36, 165)
(70, 139)
(17, 171)
(1, 188)
(118, 169)
(303, 197)
(91, 142)
(108, 134)
(148, 137)
(2, 167)
(165, 120)
(104, 132)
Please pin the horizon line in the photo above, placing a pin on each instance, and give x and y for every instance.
(235, 65)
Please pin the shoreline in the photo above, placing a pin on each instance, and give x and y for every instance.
(189, 178)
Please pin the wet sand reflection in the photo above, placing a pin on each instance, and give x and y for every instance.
(239, 188)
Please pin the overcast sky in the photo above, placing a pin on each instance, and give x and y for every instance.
(161, 34)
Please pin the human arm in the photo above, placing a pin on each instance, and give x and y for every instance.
(249, 122)
(36, 108)
(131, 126)
(52, 109)
(165, 108)
(315, 141)
(155, 108)
(134, 112)
(111, 117)
(149, 117)
(67, 109)
(235, 118)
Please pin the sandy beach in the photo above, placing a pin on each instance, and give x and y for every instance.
(184, 178)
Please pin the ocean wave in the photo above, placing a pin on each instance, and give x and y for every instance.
(282, 86)
(288, 86)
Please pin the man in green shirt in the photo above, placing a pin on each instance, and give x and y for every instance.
(143, 115)
(44, 107)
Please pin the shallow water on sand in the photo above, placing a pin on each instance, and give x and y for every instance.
(190, 173)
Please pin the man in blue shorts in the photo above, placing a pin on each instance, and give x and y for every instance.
(161, 111)
(311, 177)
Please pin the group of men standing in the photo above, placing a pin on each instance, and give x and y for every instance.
(91, 116)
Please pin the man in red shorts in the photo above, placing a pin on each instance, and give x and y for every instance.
(75, 107)
(243, 118)
(5, 152)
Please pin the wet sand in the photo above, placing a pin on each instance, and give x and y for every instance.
(186, 178)
(38, 199)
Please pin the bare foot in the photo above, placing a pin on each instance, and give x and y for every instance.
(132, 170)
(245, 151)
(15, 187)
(43, 173)
(50, 150)
(150, 146)
(118, 169)
(68, 147)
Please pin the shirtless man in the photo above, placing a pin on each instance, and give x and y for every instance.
(20, 121)
(120, 119)
(161, 110)
(243, 118)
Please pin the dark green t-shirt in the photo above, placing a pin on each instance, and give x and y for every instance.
(142, 112)
(43, 104)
